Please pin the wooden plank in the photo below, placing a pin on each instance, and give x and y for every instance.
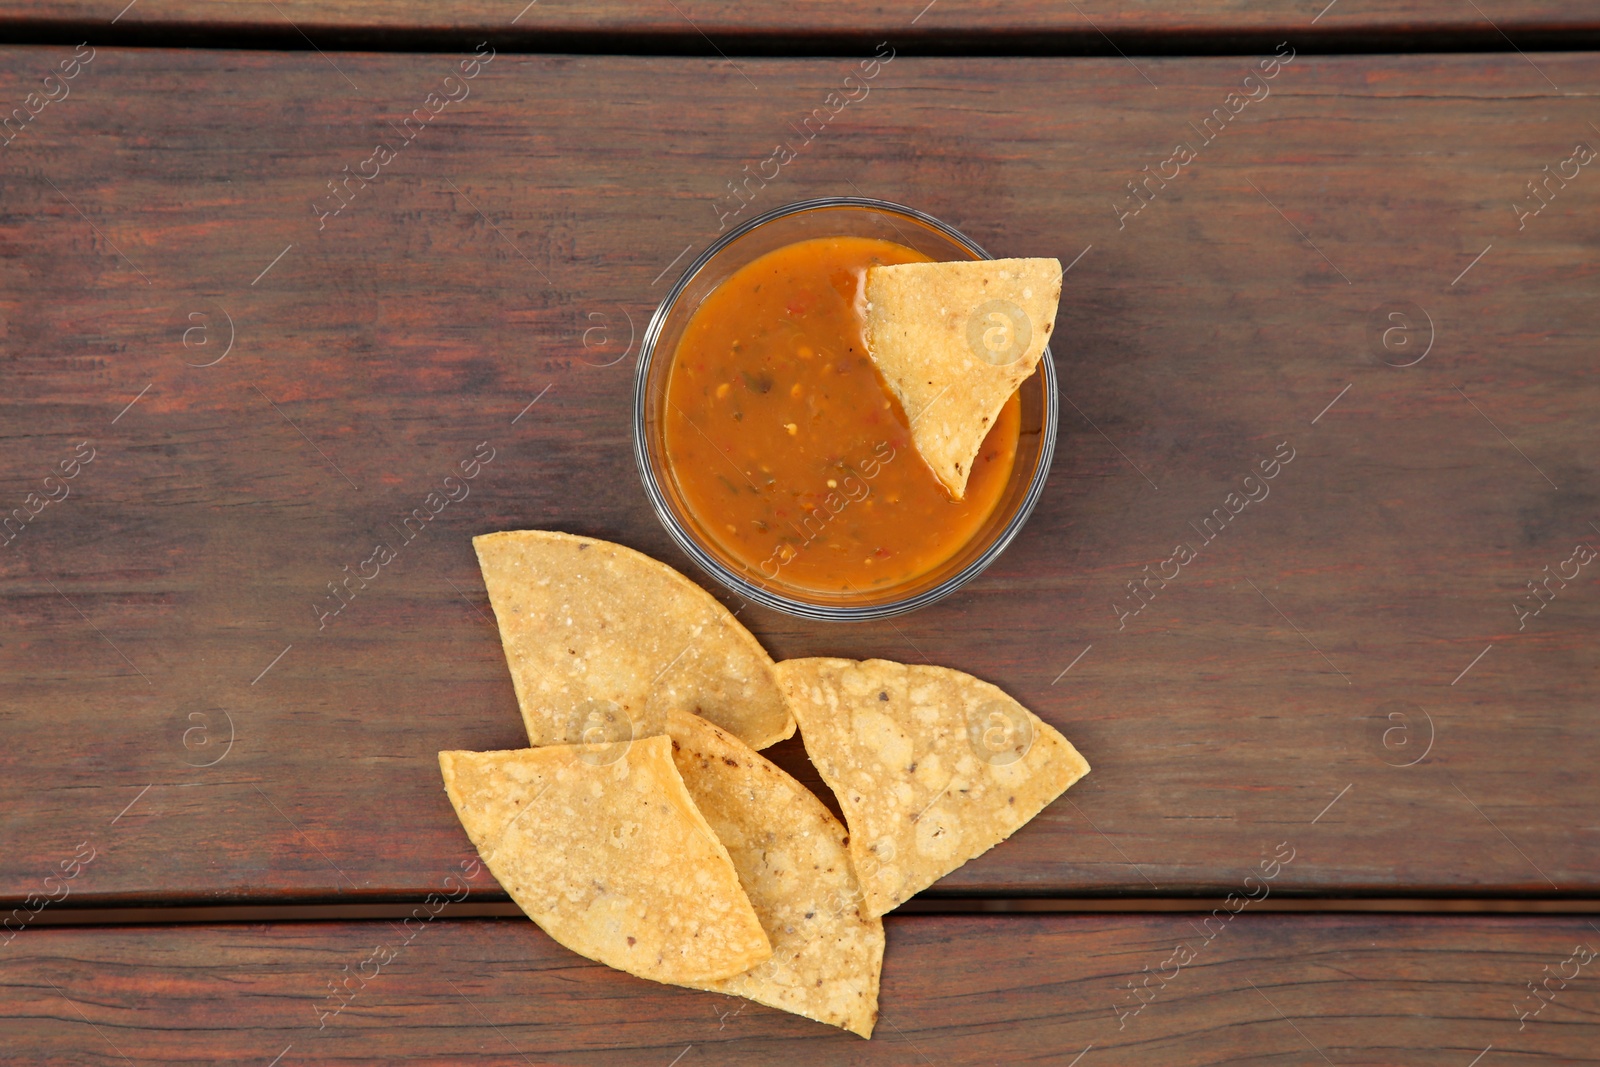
(1358, 619)
(1185, 25)
(1263, 990)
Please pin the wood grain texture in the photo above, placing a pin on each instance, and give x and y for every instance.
(1357, 619)
(1429, 992)
(737, 24)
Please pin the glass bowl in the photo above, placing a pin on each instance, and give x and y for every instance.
(829, 217)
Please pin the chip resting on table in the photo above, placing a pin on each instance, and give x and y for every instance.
(931, 766)
(605, 850)
(601, 640)
(792, 859)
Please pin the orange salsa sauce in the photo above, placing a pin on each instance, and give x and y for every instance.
(788, 450)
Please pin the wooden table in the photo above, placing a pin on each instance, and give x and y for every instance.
(1387, 665)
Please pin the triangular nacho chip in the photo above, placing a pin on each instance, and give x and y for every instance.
(953, 341)
(931, 766)
(601, 640)
(608, 854)
(793, 861)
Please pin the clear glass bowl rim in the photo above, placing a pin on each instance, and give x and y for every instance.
(707, 562)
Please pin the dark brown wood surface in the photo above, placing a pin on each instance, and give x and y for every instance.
(1358, 619)
(1036, 990)
(740, 25)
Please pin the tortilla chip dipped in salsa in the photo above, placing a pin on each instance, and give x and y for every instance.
(792, 457)
(601, 640)
(953, 341)
(931, 766)
(791, 857)
(610, 856)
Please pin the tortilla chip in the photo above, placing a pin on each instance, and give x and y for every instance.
(953, 341)
(609, 856)
(793, 861)
(601, 640)
(931, 766)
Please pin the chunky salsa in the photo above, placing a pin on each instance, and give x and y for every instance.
(787, 448)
